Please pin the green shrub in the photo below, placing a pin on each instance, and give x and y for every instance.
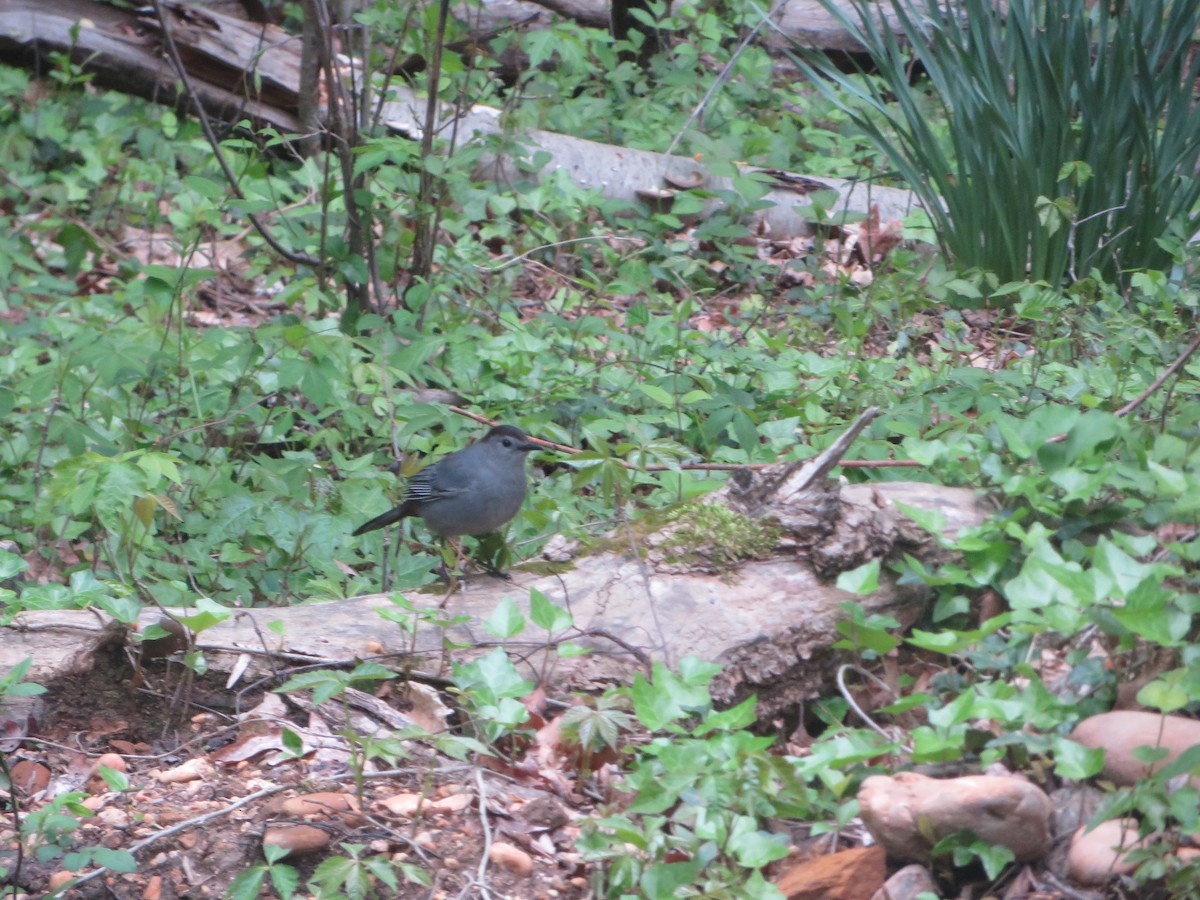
(1071, 139)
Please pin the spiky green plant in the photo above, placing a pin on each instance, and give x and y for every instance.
(1072, 136)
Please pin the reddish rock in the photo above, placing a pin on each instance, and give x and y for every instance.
(848, 875)
(1097, 855)
(514, 859)
(323, 805)
(909, 813)
(297, 840)
(1122, 731)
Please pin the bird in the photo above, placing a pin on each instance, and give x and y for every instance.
(472, 491)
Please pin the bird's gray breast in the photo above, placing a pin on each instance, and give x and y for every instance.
(473, 495)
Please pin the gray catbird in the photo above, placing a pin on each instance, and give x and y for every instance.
(472, 491)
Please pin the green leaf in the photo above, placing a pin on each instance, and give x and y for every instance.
(248, 884)
(545, 614)
(734, 719)
(660, 881)
(506, 620)
(657, 394)
(492, 674)
(160, 465)
(753, 848)
(1151, 755)
(866, 633)
(324, 683)
(11, 565)
(1163, 696)
(116, 781)
(293, 744)
(1151, 611)
(207, 614)
(694, 672)
(1050, 589)
(120, 861)
(932, 520)
(862, 581)
(1075, 761)
(123, 609)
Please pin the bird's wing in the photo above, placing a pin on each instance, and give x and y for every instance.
(426, 485)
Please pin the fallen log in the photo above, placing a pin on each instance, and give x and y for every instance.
(249, 71)
(744, 577)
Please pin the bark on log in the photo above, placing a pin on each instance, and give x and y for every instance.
(806, 23)
(117, 46)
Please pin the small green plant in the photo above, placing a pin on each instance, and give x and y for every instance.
(249, 883)
(359, 876)
(700, 794)
(49, 832)
(1164, 804)
(491, 687)
(327, 684)
(963, 848)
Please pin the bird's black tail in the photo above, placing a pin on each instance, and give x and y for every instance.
(392, 515)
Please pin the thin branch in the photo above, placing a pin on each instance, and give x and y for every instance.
(1162, 379)
(720, 79)
(481, 876)
(849, 698)
(1145, 395)
(189, 823)
(698, 467)
(173, 54)
(513, 260)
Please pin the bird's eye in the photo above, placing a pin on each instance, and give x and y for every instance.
(506, 442)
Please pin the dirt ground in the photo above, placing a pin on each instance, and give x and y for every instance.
(210, 777)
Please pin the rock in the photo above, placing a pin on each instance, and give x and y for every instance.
(30, 777)
(323, 805)
(1097, 855)
(60, 878)
(297, 840)
(451, 803)
(1121, 731)
(909, 813)
(192, 770)
(405, 804)
(512, 858)
(848, 875)
(907, 884)
(113, 761)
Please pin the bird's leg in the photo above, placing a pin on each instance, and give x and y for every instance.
(451, 554)
(463, 559)
(453, 582)
(494, 554)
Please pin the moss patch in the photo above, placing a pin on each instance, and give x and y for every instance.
(716, 535)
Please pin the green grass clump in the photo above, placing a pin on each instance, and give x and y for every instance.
(1057, 137)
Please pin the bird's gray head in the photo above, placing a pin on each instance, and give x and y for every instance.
(510, 441)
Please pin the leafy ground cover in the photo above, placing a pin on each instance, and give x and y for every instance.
(186, 422)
